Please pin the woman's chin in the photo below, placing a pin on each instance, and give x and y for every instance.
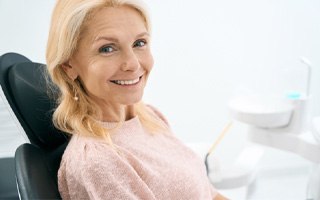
(130, 100)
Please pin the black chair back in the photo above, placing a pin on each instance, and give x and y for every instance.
(26, 89)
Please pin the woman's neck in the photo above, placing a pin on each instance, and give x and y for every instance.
(117, 113)
(130, 112)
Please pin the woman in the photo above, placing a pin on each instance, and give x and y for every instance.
(98, 54)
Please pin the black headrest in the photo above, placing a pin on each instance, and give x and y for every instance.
(27, 94)
(6, 61)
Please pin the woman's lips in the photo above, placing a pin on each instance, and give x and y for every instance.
(127, 82)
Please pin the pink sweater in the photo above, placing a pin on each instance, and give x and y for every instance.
(151, 166)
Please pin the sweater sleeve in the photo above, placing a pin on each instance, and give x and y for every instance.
(94, 177)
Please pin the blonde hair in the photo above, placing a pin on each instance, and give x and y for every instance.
(68, 21)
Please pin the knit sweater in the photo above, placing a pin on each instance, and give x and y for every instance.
(148, 167)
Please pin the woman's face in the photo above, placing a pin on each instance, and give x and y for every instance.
(113, 58)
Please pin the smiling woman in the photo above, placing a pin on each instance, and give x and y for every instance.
(99, 56)
(112, 62)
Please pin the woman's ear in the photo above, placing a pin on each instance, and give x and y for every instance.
(70, 70)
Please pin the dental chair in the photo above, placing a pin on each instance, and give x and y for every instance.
(8, 188)
(37, 162)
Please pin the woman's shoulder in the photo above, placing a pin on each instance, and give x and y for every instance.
(83, 151)
(89, 165)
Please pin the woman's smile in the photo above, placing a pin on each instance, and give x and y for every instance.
(127, 82)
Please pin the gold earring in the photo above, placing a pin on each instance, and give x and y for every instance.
(75, 97)
(75, 81)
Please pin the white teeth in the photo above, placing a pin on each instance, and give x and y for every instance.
(127, 82)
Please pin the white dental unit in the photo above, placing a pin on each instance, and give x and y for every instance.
(284, 123)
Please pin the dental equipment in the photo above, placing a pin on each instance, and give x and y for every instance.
(215, 144)
(305, 61)
(284, 123)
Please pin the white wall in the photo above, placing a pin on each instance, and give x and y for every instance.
(209, 51)
(206, 52)
(24, 27)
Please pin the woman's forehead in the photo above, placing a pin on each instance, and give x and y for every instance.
(115, 19)
(116, 23)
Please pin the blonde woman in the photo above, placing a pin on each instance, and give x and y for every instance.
(98, 54)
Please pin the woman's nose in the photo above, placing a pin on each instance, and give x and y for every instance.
(130, 61)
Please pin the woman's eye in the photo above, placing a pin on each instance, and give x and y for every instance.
(106, 49)
(140, 43)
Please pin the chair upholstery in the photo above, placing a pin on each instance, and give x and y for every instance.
(26, 90)
(8, 188)
(7, 180)
(36, 172)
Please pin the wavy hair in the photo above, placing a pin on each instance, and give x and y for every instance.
(68, 22)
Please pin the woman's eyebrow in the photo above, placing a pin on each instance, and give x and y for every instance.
(143, 34)
(112, 39)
